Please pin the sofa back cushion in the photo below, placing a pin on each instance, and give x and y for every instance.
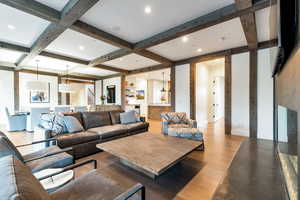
(17, 181)
(115, 116)
(95, 119)
(72, 124)
(7, 148)
(128, 117)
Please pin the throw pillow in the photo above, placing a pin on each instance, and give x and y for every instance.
(72, 124)
(59, 125)
(128, 117)
(47, 121)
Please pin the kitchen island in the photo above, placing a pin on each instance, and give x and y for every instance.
(154, 110)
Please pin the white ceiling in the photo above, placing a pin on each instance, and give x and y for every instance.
(209, 40)
(154, 75)
(27, 28)
(263, 20)
(9, 56)
(51, 63)
(93, 71)
(70, 41)
(131, 62)
(127, 19)
(56, 4)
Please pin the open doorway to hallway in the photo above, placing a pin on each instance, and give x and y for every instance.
(210, 91)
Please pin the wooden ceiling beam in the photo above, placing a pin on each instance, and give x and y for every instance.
(34, 8)
(110, 68)
(218, 54)
(216, 17)
(98, 34)
(150, 69)
(71, 13)
(65, 58)
(13, 47)
(110, 56)
(248, 23)
(153, 56)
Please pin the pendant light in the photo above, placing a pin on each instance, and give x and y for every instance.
(163, 90)
(65, 87)
(37, 85)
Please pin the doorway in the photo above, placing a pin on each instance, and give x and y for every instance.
(210, 91)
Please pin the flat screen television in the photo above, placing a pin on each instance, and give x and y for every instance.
(284, 20)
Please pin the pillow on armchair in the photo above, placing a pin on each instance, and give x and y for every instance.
(174, 117)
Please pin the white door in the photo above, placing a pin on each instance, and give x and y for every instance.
(218, 102)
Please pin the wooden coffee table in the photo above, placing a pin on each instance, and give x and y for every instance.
(150, 153)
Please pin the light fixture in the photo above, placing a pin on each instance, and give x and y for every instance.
(81, 47)
(37, 85)
(11, 27)
(199, 50)
(148, 10)
(65, 87)
(185, 39)
(163, 89)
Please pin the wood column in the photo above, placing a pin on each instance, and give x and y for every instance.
(228, 86)
(16, 91)
(173, 89)
(59, 95)
(123, 88)
(253, 94)
(193, 90)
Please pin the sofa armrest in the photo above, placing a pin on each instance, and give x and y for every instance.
(36, 142)
(132, 191)
(192, 122)
(164, 126)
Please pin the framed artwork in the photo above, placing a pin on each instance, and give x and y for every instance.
(140, 94)
(40, 96)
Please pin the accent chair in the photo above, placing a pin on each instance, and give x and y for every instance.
(15, 122)
(33, 119)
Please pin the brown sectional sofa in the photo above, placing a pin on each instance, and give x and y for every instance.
(99, 127)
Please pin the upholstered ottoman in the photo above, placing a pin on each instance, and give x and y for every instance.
(188, 133)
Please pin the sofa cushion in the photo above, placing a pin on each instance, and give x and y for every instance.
(91, 186)
(128, 117)
(72, 124)
(115, 116)
(137, 126)
(8, 148)
(55, 161)
(59, 125)
(109, 131)
(67, 140)
(17, 181)
(77, 115)
(96, 119)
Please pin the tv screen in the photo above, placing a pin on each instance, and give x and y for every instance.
(284, 19)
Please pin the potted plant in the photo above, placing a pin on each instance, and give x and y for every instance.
(103, 97)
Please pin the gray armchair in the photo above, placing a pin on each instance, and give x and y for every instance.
(50, 157)
(17, 181)
(33, 119)
(15, 122)
(176, 120)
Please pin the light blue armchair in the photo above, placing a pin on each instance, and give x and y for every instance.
(34, 117)
(15, 122)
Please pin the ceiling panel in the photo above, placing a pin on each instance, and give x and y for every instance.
(215, 38)
(56, 4)
(18, 27)
(154, 75)
(51, 63)
(131, 62)
(93, 71)
(263, 19)
(9, 56)
(75, 44)
(131, 23)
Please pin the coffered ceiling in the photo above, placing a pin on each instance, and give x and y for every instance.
(111, 31)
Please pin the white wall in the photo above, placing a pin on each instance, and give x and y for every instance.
(6, 94)
(182, 87)
(264, 96)
(117, 82)
(240, 94)
(98, 92)
(24, 93)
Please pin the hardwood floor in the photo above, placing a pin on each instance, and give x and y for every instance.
(195, 178)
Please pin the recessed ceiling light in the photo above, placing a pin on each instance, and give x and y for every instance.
(148, 10)
(81, 47)
(199, 50)
(11, 27)
(185, 39)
